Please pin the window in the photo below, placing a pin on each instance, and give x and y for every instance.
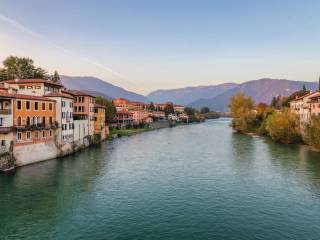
(50, 106)
(70, 125)
(36, 106)
(43, 106)
(22, 87)
(50, 133)
(19, 104)
(19, 121)
(63, 115)
(50, 121)
(1, 121)
(43, 134)
(36, 135)
(28, 121)
(19, 136)
(43, 121)
(28, 135)
(34, 120)
(28, 105)
(63, 103)
(3, 142)
(70, 104)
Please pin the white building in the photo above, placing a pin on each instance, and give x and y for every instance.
(64, 116)
(302, 106)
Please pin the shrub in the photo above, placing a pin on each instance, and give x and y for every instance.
(284, 127)
(312, 132)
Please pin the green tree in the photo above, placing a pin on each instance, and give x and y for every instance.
(312, 132)
(284, 127)
(151, 106)
(243, 114)
(168, 108)
(22, 68)
(110, 108)
(304, 88)
(55, 77)
(189, 111)
(204, 110)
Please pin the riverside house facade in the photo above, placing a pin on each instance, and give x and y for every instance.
(302, 106)
(39, 121)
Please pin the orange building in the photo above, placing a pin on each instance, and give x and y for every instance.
(121, 104)
(34, 119)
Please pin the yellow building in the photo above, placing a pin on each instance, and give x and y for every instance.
(100, 122)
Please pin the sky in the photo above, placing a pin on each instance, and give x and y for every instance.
(148, 45)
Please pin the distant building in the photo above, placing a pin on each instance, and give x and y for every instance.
(302, 106)
(315, 105)
(123, 119)
(178, 108)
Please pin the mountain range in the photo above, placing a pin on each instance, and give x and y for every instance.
(216, 97)
(98, 87)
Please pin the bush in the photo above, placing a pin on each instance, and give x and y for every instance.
(283, 127)
(243, 114)
(312, 132)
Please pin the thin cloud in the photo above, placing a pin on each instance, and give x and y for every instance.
(37, 35)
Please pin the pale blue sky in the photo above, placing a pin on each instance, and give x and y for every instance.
(146, 45)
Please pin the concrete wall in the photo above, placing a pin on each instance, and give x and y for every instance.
(27, 154)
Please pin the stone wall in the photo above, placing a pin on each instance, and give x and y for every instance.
(31, 153)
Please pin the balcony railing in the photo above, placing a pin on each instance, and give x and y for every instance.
(5, 111)
(5, 129)
(35, 127)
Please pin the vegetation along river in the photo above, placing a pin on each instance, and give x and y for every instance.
(200, 181)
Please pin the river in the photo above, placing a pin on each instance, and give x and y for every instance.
(198, 181)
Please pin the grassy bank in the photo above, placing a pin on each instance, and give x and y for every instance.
(127, 132)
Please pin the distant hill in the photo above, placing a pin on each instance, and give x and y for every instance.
(97, 86)
(262, 90)
(189, 94)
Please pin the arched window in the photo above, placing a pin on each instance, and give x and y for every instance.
(28, 121)
(19, 121)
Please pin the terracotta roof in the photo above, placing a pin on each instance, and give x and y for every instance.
(99, 106)
(79, 93)
(19, 81)
(124, 112)
(59, 95)
(306, 95)
(23, 96)
(317, 95)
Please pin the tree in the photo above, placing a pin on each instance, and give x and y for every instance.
(168, 108)
(312, 132)
(284, 127)
(304, 88)
(243, 114)
(110, 108)
(189, 111)
(22, 68)
(55, 77)
(204, 110)
(151, 106)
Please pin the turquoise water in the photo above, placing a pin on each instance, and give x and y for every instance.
(191, 182)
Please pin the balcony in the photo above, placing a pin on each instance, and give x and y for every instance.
(5, 111)
(5, 129)
(35, 127)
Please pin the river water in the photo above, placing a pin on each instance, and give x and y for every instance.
(190, 182)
